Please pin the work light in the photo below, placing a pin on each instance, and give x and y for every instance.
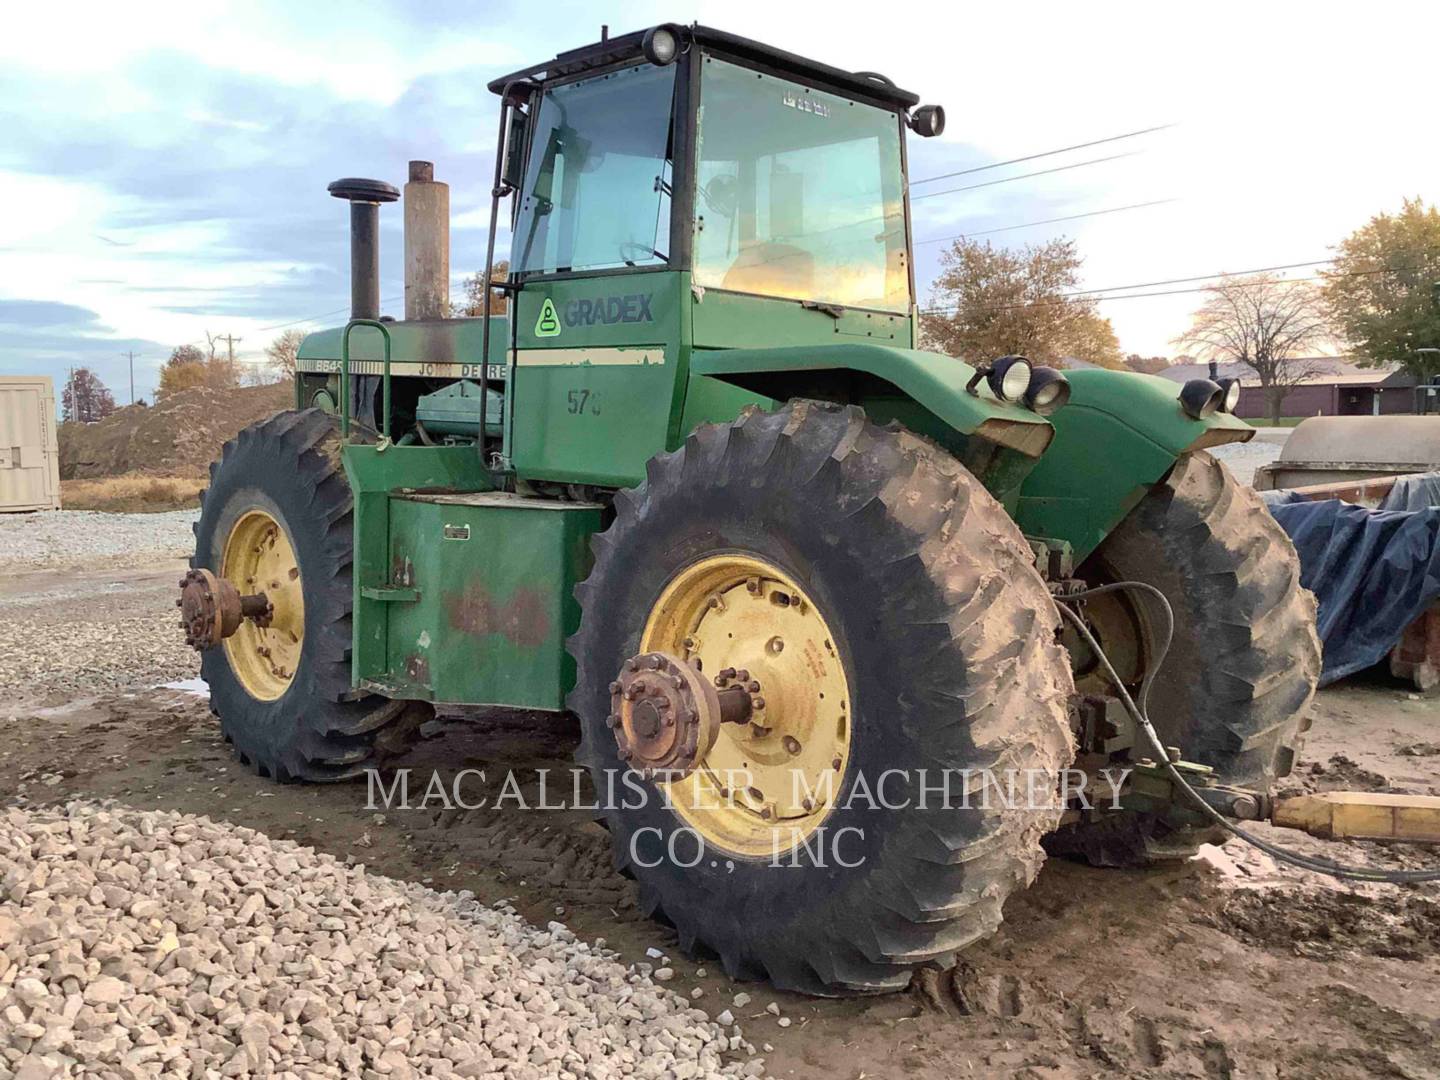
(1201, 397)
(660, 45)
(1009, 377)
(1048, 390)
(1231, 388)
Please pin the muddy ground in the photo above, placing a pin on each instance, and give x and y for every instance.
(1225, 967)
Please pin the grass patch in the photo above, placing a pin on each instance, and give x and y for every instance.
(132, 494)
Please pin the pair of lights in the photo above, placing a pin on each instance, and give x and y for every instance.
(1201, 398)
(1015, 379)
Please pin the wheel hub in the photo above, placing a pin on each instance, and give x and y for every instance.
(211, 609)
(666, 715)
(772, 724)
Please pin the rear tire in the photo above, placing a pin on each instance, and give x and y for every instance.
(288, 468)
(1242, 668)
(947, 639)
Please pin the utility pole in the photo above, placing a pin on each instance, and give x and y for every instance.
(131, 355)
(230, 340)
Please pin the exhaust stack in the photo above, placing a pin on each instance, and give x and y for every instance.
(427, 244)
(365, 197)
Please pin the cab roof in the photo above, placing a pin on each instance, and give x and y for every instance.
(862, 84)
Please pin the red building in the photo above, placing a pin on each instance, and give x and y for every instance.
(1333, 387)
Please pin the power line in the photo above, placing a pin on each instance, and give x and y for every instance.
(1042, 154)
(1025, 176)
(1046, 221)
(1086, 295)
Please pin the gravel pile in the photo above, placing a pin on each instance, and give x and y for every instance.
(140, 944)
(90, 539)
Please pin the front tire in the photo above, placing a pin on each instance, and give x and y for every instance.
(943, 637)
(1235, 688)
(282, 693)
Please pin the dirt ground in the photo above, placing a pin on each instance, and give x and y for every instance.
(1226, 967)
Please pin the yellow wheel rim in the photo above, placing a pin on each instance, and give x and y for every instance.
(258, 557)
(763, 787)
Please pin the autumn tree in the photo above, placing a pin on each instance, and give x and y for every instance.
(283, 352)
(474, 303)
(990, 302)
(1265, 322)
(186, 367)
(85, 398)
(1383, 289)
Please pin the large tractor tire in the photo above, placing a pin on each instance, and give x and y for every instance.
(890, 613)
(1234, 690)
(276, 518)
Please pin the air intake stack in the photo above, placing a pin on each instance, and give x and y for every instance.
(365, 197)
(427, 244)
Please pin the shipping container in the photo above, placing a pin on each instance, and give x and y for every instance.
(29, 453)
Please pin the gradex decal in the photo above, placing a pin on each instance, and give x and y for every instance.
(548, 325)
(609, 309)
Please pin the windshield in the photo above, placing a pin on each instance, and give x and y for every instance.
(597, 185)
(798, 193)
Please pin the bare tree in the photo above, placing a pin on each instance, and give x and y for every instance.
(1265, 322)
(282, 353)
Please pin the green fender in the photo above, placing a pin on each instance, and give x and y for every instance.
(1120, 433)
(862, 372)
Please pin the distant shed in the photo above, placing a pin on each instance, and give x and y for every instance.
(29, 453)
(1333, 387)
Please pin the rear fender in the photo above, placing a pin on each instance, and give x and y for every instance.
(1120, 434)
(881, 378)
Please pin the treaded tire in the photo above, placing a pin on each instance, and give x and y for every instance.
(1234, 690)
(289, 466)
(949, 644)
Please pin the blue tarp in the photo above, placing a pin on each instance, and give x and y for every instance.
(1373, 572)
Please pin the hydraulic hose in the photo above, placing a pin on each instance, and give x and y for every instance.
(1139, 714)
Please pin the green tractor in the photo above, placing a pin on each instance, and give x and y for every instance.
(796, 579)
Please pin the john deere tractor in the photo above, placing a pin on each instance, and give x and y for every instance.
(690, 479)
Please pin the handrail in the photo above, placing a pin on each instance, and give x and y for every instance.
(345, 377)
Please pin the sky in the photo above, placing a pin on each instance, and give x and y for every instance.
(163, 165)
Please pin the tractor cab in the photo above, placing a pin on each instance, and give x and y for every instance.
(755, 171)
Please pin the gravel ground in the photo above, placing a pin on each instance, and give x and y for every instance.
(72, 633)
(140, 944)
(87, 538)
(1244, 458)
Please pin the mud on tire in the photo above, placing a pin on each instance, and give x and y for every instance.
(1236, 686)
(948, 638)
(289, 467)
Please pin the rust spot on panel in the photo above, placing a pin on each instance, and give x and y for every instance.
(417, 669)
(522, 619)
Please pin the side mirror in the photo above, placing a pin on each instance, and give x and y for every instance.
(511, 174)
(928, 121)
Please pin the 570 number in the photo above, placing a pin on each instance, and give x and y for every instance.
(583, 401)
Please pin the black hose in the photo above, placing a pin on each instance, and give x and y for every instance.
(1138, 714)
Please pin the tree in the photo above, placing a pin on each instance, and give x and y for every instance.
(474, 303)
(1146, 365)
(85, 398)
(998, 301)
(1383, 290)
(186, 367)
(282, 353)
(1263, 321)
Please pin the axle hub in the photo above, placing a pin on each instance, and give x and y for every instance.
(666, 715)
(211, 609)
